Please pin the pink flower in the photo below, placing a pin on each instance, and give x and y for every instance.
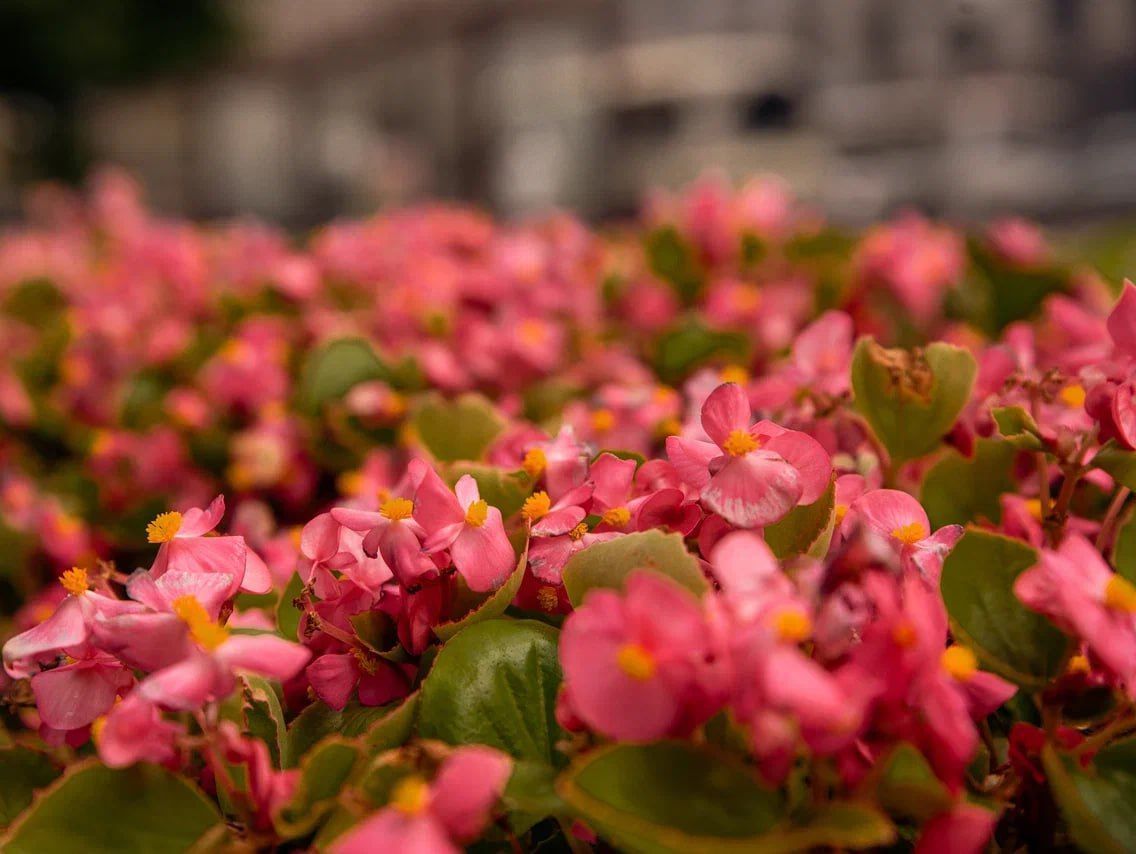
(75, 694)
(134, 731)
(466, 525)
(901, 519)
(822, 353)
(335, 676)
(634, 663)
(752, 475)
(394, 535)
(1122, 321)
(436, 817)
(1075, 588)
(963, 829)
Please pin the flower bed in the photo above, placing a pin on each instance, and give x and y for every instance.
(725, 530)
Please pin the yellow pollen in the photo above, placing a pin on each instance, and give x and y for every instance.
(1072, 396)
(905, 635)
(959, 662)
(476, 513)
(1033, 505)
(617, 517)
(1120, 594)
(397, 508)
(97, 727)
(536, 506)
(349, 483)
(547, 599)
(1078, 664)
(734, 374)
(739, 443)
(841, 511)
(75, 581)
(366, 663)
(910, 533)
(532, 332)
(164, 528)
(636, 662)
(535, 462)
(669, 427)
(793, 625)
(296, 536)
(235, 351)
(579, 531)
(663, 394)
(603, 420)
(410, 796)
(206, 634)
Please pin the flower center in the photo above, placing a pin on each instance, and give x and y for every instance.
(793, 625)
(75, 581)
(1120, 594)
(397, 508)
(841, 511)
(636, 661)
(603, 420)
(535, 462)
(164, 528)
(617, 517)
(536, 506)
(476, 513)
(739, 443)
(734, 374)
(547, 599)
(1033, 507)
(1073, 396)
(579, 531)
(959, 662)
(205, 632)
(410, 795)
(910, 534)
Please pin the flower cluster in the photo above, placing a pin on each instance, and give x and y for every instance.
(547, 536)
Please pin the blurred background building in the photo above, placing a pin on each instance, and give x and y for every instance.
(964, 107)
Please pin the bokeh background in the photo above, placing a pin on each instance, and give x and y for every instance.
(299, 110)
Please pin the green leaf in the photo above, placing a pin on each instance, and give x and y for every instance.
(377, 724)
(1018, 427)
(1098, 803)
(264, 719)
(1117, 462)
(394, 728)
(911, 398)
(673, 260)
(682, 349)
(906, 786)
(459, 429)
(608, 564)
(324, 771)
(492, 606)
(506, 490)
(977, 587)
(1124, 552)
(677, 797)
(92, 809)
(805, 528)
(495, 683)
(287, 614)
(958, 490)
(531, 792)
(22, 772)
(332, 370)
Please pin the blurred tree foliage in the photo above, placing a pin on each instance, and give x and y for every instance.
(53, 51)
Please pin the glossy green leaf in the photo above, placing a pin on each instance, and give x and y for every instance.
(805, 528)
(1098, 803)
(386, 726)
(492, 606)
(333, 369)
(906, 786)
(1018, 427)
(1117, 462)
(1124, 549)
(958, 490)
(688, 346)
(977, 587)
(264, 718)
(287, 614)
(144, 809)
(495, 683)
(609, 563)
(459, 429)
(911, 398)
(324, 771)
(673, 260)
(22, 772)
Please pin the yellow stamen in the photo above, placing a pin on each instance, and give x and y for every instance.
(536, 506)
(535, 462)
(476, 513)
(349, 483)
(905, 636)
(547, 599)
(205, 632)
(636, 662)
(579, 531)
(910, 534)
(164, 528)
(669, 427)
(959, 662)
(841, 511)
(397, 508)
(1120, 594)
(617, 517)
(739, 443)
(75, 581)
(1033, 505)
(603, 420)
(734, 374)
(663, 394)
(532, 332)
(1078, 664)
(1072, 396)
(793, 625)
(410, 796)
(97, 727)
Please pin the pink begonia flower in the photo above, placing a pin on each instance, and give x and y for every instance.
(822, 353)
(437, 817)
(1122, 321)
(668, 509)
(266, 790)
(1018, 242)
(331, 545)
(134, 731)
(635, 664)
(963, 829)
(335, 676)
(901, 519)
(563, 461)
(1075, 588)
(395, 535)
(613, 479)
(752, 475)
(465, 524)
(75, 694)
(184, 547)
(209, 669)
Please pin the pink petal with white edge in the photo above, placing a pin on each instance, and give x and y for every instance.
(265, 655)
(753, 491)
(467, 787)
(808, 457)
(725, 410)
(195, 522)
(691, 459)
(466, 491)
(206, 554)
(483, 555)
